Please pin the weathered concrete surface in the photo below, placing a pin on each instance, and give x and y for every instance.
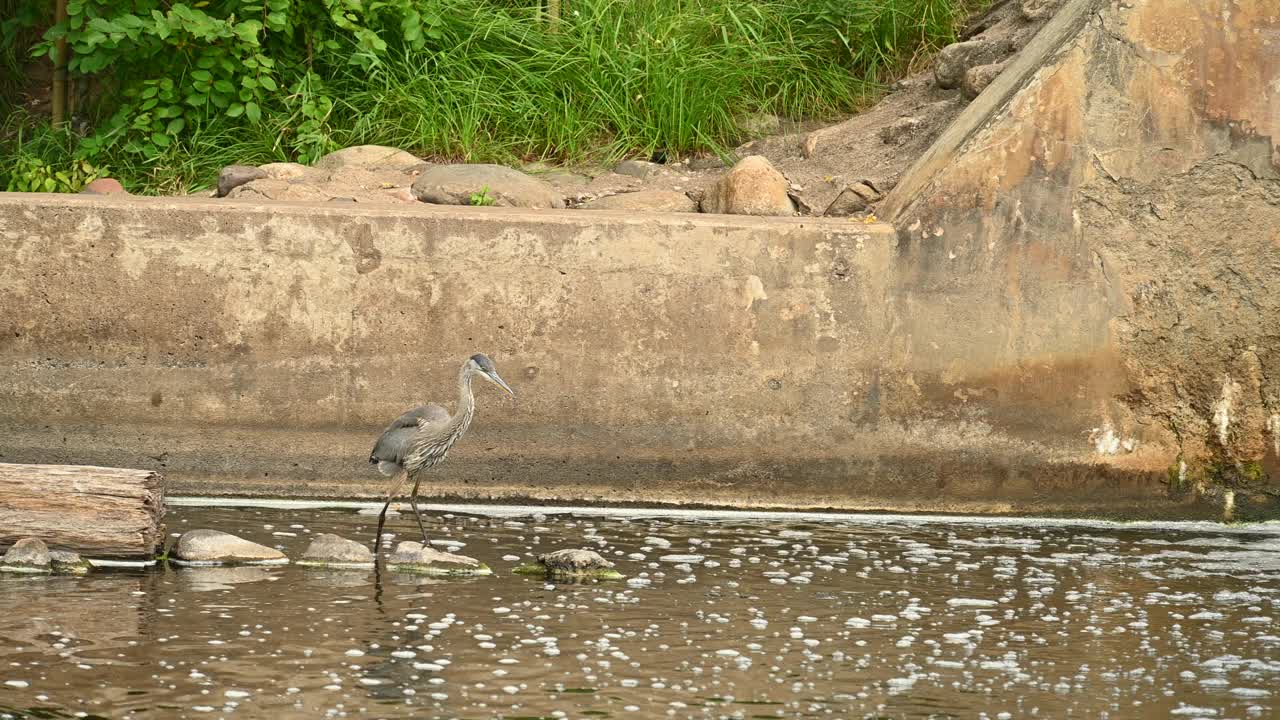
(1106, 218)
(260, 349)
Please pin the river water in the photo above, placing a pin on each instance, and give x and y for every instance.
(733, 616)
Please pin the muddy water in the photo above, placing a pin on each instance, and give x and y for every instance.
(737, 618)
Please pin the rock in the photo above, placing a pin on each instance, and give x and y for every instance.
(65, 562)
(577, 563)
(212, 547)
(572, 563)
(637, 168)
(976, 79)
(413, 557)
(329, 550)
(285, 171)
(809, 145)
(1038, 9)
(233, 176)
(752, 187)
(759, 124)
(900, 130)
(456, 184)
(564, 179)
(342, 199)
(404, 195)
(853, 199)
(646, 201)
(28, 555)
(283, 190)
(954, 60)
(104, 186)
(368, 156)
(706, 163)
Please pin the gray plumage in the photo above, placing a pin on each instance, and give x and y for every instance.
(422, 437)
(389, 452)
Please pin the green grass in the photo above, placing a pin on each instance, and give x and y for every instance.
(620, 78)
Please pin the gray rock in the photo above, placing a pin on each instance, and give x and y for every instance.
(456, 184)
(368, 156)
(213, 547)
(28, 555)
(855, 198)
(65, 562)
(706, 163)
(976, 79)
(413, 557)
(285, 171)
(280, 190)
(331, 550)
(637, 168)
(1039, 9)
(574, 560)
(564, 179)
(572, 563)
(954, 60)
(645, 201)
(900, 130)
(233, 176)
(752, 187)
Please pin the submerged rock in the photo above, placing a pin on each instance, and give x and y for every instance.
(213, 547)
(329, 550)
(413, 557)
(65, 562)
(28, 555)
(572, 563)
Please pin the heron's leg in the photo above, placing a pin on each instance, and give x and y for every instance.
(382, 516)
(413, 500)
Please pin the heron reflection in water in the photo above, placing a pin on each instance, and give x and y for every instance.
(421, 438)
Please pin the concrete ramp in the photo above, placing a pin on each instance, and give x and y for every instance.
(1112, 200)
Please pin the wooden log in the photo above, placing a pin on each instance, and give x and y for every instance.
(96, 511)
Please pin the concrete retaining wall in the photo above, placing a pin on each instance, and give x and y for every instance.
(260, 350)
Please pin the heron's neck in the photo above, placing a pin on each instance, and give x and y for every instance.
(466, 404)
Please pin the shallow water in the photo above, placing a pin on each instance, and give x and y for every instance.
(735, 617)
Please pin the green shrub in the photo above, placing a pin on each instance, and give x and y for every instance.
(185, 87)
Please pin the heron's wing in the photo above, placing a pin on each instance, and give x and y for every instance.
(388, 453)
(428, 413)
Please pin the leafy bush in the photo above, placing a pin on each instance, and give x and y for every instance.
(184, 87)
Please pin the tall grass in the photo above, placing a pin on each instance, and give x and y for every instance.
(619, 78)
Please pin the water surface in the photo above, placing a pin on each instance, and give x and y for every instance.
(736, 617)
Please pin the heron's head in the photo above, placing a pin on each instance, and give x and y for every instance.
(483, 366)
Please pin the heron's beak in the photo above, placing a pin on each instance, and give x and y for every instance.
(500, 383)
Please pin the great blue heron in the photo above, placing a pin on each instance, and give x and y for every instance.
(421, 438)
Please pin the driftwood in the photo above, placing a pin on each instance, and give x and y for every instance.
(95, 511)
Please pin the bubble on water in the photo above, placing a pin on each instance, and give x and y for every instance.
(972, 602)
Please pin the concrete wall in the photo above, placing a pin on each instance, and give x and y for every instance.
(1110, 212)
(260, 349)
